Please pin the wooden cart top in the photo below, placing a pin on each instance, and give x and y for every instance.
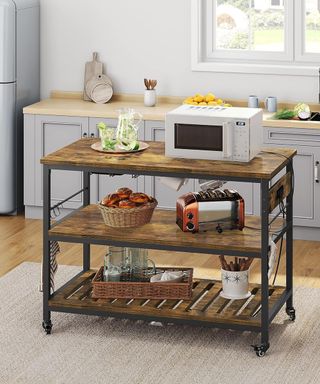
(153, 161)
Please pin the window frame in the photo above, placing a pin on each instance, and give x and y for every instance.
(295, 62)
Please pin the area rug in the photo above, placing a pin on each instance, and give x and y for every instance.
(86, 349)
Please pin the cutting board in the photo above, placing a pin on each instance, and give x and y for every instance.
(92, 69)
(99, 89)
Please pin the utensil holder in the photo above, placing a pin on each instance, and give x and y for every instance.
(150, 97)
(235, 284)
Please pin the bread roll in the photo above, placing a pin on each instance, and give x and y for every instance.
(127, 204)
(124, 193)
(139, 198)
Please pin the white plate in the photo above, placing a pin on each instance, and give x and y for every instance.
(98, 147)
(246, 296)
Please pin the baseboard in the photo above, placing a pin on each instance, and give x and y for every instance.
(306, 233)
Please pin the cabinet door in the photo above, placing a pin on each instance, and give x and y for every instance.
(306, 201)
(52, 133)
(106, 183)
(167, 197)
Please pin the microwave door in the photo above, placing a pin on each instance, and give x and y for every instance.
(227, 139)
(199, 137)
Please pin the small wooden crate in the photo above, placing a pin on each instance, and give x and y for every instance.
(143, 290)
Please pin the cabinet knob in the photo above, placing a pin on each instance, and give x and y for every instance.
(84, 134)
(92, 135)
(316, 172)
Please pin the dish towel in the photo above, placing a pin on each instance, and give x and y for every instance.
(54, 250)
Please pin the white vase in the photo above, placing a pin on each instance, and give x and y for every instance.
(150, 97)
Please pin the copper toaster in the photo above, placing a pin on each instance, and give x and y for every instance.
(211, 209)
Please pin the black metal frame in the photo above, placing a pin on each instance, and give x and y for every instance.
(266, 315)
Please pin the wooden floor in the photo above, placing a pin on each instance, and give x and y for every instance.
(21, 240)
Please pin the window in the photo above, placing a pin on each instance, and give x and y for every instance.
(311, 26)
(266, 36)
(276, 3)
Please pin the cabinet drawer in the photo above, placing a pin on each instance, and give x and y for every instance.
(292, 136)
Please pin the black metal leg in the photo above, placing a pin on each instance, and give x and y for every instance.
(86, 201)
(289, 252)
(264, 346)
(47, 325)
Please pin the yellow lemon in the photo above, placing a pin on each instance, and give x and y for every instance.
(210, 97)
(194, 103)
(227, 105)
(202, 103)
(198, 98)
(213, 103)
(219, 101)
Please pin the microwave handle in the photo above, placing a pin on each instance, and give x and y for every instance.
(227, 139)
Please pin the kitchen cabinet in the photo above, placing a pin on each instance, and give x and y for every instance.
(107, 184)
(306, 207)
(45, 134)
(167, 197)
(52, 132)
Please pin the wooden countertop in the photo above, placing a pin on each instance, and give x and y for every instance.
(71, 104)
(80, 155)
(79, 107)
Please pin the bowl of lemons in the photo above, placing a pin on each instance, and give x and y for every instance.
(209, 100)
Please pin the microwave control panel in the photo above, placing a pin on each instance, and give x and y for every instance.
(241, 141)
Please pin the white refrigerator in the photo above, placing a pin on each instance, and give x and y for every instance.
(19, 86)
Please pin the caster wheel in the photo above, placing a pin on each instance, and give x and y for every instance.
(291, 312)
(261, 350)
(47, 326)
(219, 229)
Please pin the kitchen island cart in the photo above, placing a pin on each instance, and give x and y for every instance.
(271, 169)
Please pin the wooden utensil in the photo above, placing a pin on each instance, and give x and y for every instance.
(150, 84)
(92, 69)
(238, 265)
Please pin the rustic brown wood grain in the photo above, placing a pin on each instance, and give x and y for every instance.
(79, 154)
(286, 182)
(214, 310)
(162, 230)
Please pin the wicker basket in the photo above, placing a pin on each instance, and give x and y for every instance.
(143, 290)
(122, 217)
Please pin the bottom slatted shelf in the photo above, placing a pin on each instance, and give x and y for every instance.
(205, 306)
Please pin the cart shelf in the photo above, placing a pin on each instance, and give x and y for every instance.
(161, 233)
(206, 305)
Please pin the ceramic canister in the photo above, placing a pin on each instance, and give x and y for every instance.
(150, 97)
(235, 284)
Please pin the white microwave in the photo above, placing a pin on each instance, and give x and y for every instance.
(213, 133)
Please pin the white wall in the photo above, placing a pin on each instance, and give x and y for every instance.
(137, 39)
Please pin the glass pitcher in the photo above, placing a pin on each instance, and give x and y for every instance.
(116, 262)
(139, 264)
(127, 129)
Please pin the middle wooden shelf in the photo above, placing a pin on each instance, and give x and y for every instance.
(87, 226)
